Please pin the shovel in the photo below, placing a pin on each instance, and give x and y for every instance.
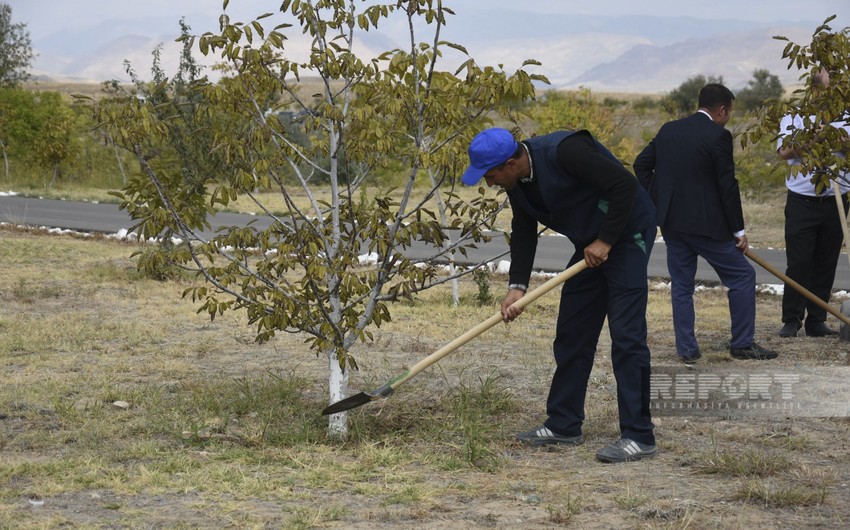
(365, 397)
(797, 287)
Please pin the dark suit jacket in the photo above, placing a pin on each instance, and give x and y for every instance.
(689, 173)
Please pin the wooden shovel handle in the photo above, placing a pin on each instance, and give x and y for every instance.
(797, 287)
(529, 297)
(842, 215)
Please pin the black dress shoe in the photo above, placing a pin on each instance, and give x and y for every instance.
(690, 359)
(820, 329)
(790, 329)
(754, 352)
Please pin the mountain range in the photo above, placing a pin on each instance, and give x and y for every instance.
(637, 54)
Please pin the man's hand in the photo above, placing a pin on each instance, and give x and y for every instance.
(596, 253)
(509, 313)
(741, 243)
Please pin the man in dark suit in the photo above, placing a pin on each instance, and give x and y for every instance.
(689, 171)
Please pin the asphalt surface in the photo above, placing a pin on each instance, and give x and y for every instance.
(552, 252)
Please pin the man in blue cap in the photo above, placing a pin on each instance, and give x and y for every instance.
(569, 182)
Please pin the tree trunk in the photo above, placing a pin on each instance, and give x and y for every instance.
(5, 159)
(455, 286)
(120, 165)
(441, 208)
(338, 387)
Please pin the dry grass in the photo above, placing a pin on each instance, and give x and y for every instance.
(764, 218)
(123, 408)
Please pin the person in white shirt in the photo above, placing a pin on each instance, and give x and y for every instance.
(813, 233)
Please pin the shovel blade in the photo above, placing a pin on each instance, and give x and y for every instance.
(352, 402)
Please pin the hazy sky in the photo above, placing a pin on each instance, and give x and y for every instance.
(92, 39)
(44, 17)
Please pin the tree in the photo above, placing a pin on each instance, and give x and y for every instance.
(15, 60)
(184, 151)
(399, 110)
(37, 127)
(684, 98)
(576, 110)
(174, 104)
(13, 104)
(56, 142)
(825, 147)
(762, 88)
(15, 49)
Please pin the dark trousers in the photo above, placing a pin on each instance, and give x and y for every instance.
(734, 271)
(618, 290)
(813, 239)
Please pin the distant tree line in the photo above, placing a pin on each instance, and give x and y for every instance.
(764, 87)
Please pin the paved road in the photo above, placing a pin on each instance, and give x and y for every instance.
(552, 252)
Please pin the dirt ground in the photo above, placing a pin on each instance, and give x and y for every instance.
(712, 471)
(532, 488)
(680, 488)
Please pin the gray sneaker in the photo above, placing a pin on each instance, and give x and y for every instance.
(625, 450)
(543, 436)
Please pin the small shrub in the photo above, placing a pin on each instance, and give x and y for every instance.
(631, 498)
(153, 263)
(482, 279)
(563, 513)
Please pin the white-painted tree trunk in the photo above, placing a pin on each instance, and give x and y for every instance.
(441, 208)
(455, 286)
(338, 386)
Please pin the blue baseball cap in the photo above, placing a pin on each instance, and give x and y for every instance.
(487, 150)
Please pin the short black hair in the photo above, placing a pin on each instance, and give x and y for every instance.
(714, 95)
